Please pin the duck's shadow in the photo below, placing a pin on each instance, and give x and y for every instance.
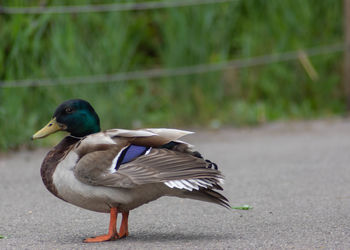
(175, 236)
(144, 236)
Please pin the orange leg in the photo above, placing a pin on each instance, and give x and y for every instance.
(112, 232)
(123, 231)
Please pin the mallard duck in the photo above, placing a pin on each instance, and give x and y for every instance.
(118, 170)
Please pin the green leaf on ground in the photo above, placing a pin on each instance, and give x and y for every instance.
(2, 237)
(244, 207)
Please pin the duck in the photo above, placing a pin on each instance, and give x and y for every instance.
(117, 170)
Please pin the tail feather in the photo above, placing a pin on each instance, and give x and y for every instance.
(206, 184)
(208, 195)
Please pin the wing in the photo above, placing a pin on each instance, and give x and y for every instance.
(131, 158)
(154, 165)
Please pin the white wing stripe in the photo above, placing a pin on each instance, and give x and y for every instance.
(190, 184)
(197, 183)
(168, 184)
(204, 182)
(115, 160)
(149, 150)
(180, 185)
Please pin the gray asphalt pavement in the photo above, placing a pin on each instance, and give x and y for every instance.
(295, 175)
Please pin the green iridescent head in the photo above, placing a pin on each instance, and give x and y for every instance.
(74, 116)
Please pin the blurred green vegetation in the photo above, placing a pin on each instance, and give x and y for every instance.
(57, 45)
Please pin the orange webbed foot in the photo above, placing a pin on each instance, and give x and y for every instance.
(112, 231)
(102, 238)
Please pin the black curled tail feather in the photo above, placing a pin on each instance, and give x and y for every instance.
(211, 165)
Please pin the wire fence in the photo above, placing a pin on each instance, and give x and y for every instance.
(172, 72)
(117, 7)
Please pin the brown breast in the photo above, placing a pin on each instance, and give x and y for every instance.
(52, 159)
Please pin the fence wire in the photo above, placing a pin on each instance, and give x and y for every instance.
(107, 7)
(172, 72)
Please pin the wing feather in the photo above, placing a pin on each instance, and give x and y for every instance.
(160, 165)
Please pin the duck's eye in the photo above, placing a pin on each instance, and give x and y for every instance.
(69, 110)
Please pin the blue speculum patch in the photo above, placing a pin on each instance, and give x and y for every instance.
(130, 153)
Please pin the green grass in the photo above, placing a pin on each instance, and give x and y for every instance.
(44, 46)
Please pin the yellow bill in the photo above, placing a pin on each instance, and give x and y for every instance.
(52, 127)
